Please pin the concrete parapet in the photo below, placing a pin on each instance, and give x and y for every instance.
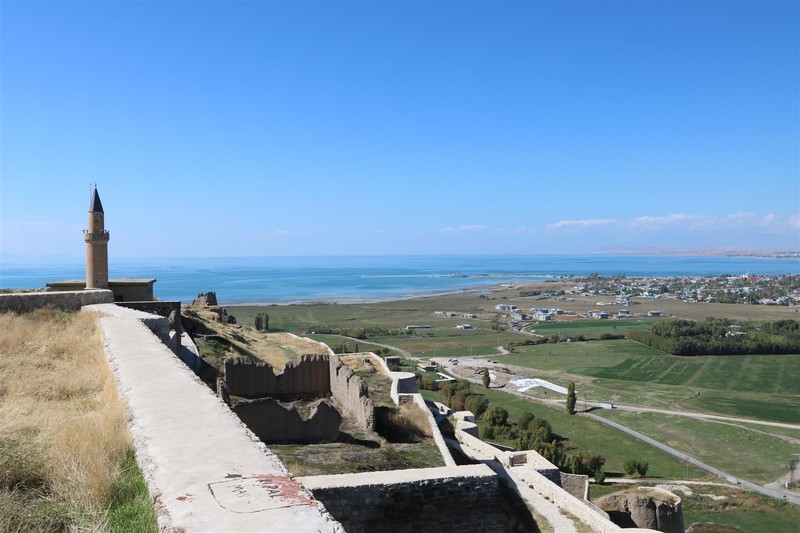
(461, 498)
(536, 473)
(481, 451)
(205, 470)
(159, 325)
(437, 435)
(404, 390)
(402, 383)
(25, 302)
(566, 501)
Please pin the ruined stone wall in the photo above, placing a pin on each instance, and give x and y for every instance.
(350, 391)
(306, 376)
(273, 422)
(155, 307)
(170, 337)
(25, 302)
(575, 484)
(465, 498)
(644, 507)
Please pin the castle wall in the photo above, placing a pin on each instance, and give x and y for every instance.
(273, 422)
(25, 302)
(159, 308)
(207, 470)
(575, 484)
(407, 392)
(462, 498)
(645, 507)
(171, 337)
(308, 375)
(350, 391)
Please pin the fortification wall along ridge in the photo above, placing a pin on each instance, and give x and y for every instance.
(462, 498)
(351, 393)
(25, 302)
(306, 376)
(179, 428)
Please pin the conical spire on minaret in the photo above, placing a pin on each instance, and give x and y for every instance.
(96, 238)
(96, 206)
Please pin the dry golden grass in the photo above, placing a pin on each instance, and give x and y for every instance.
(58, 398)
(412, 420)
(277, 349)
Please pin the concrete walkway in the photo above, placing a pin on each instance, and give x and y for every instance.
(204, 469)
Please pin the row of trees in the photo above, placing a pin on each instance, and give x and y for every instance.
(721, 337)
(527, 433)
(262, 322)
(356, 332)
(634, 466)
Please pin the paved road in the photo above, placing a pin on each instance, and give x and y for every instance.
(702, 415)
(772, 493)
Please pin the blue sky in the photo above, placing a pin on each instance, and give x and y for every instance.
(346, 128)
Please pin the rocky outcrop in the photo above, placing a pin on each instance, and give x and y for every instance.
(644, 508)
(205, 299)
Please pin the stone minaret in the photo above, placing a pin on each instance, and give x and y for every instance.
(96, 238)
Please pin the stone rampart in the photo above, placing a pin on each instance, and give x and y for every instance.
(402, 383)
(576, 484)
(204, 468)
(535, 473)
(273, 422)
(156, 307)
(435, 431)
(25, 302)
(350, 391)
(306, 376)
(159, 325)
(644, 507)
(407, 392)
(463, 498)
(165, 310)
(544, 486)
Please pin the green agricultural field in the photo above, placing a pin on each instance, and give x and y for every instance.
(743, 510)
(624, 371)
(728, 446)
(439, 342)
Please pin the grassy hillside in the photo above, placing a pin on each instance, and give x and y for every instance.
(66, 457)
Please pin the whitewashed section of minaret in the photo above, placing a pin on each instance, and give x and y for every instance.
(96, 238)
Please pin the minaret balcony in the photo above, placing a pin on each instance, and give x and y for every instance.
(104, 236)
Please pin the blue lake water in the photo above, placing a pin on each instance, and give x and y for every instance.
(358, 278)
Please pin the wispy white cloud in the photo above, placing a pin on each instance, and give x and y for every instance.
(665, 219)
(770, 222)
(583, 223)
(465, 227)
